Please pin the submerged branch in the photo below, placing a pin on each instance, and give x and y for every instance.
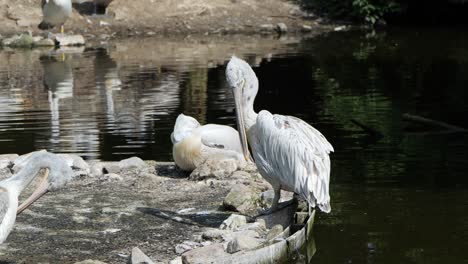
(420, 119)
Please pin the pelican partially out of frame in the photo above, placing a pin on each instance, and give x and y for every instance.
(55, 13)
(57, 174)
(193, 143)
(289, 153)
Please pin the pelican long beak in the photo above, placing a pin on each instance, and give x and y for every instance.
(241, 123)
(40, 191)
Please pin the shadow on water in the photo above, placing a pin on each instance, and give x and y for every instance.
(398, 190)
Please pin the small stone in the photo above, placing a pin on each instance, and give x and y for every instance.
(242, 199)
(258, 227)
(186, 246)
(138, 257)
(306, 28)
(68, 40)
(245, 233)
(242, 243)
(114, 177)
(131, 163)
(111, 167)
(267, 28)
(202, 254)
(213, 234)
(90, 261)
(44, 43)
(177, 260)
(274, 232)
(96, 170)
(104, 24)
(214, 168)
(281, 28)
(19, 41)
(233, 222)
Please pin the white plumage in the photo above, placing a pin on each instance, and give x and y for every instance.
(55, 13)
(193, 143)
(59, 174)
(289, 153)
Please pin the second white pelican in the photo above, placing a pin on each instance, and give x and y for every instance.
(55, 13)
(57, 175)
(289, 153)
(193, 143)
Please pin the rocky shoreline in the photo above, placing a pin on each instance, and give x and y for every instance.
(146, 18)
(112, 209)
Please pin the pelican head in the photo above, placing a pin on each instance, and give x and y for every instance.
(244, 84)
(55, 177)
(183, 127)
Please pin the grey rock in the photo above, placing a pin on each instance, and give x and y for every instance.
(306, 28)
(281, 28)
(214, 234)
(131, 163)
(19, 41)
(138, 257)
(274, 232)
(214, 168)
(242, 243)
(96, 170)
(177, 260)
(68, 40)
(258, 227)
(267, 28)
(241, 175)
(114, 177)
(111, 167)
(44, 42)
(186, 246)
(246, 233)
(242, 199)
(90, 261)
(233, 222)
(203, 254)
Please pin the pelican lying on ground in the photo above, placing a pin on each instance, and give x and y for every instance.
(58, 174)
(193, 144)
(55, 13)
(289, 153)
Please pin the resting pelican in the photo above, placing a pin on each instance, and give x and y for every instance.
(289, 153)
(193, 143)
(55, 12)
(57, 175)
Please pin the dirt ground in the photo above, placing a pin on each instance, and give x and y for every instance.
(104, 218)
(150, 17)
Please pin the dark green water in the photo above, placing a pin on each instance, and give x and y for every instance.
(399, 194)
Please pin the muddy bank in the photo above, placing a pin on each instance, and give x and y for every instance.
(148, 17)
(109, 208)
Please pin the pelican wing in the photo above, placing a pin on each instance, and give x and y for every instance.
(219, 136)
(297, 154)
(4, 203)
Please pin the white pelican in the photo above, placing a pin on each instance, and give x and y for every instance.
(193, 144)
(289, 153)
(55, 12)
(57, 175)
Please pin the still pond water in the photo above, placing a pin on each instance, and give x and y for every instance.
(399, 188)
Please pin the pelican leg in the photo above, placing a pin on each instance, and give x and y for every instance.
(274, 204)
(62, 29)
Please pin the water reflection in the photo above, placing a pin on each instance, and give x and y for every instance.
(399, 197)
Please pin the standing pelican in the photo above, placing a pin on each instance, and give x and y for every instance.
(193, 143)
(57, 175)
(289, 153)
(55, 12)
